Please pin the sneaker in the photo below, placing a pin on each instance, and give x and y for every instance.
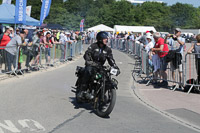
(172, 87)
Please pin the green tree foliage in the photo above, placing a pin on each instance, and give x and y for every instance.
(183, 15)
(154, 14)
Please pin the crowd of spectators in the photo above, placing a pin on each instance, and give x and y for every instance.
(31, 41)
(163, 51)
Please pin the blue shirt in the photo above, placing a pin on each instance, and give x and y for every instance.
(175, 45)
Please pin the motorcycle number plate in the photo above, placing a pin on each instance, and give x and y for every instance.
(113, 71)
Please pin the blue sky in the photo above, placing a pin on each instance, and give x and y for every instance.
(195, 3)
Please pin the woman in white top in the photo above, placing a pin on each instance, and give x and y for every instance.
(150, 44)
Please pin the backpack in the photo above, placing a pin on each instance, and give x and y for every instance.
(170, 56)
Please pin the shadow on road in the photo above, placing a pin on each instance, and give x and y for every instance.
(86, 106)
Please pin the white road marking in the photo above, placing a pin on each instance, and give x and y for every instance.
(27, 124)
(9, 126)
(24, 123)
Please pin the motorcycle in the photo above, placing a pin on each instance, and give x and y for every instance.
(102, 87)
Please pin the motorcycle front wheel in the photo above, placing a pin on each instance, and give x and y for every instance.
(105, 107)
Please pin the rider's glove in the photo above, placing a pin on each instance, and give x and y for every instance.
(91, 63)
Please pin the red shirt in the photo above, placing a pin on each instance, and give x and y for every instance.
(165, 48)
(5, 40)
(47, 40)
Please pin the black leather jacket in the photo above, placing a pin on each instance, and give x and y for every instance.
(98, 56)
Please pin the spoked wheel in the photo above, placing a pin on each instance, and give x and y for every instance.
(105, 107)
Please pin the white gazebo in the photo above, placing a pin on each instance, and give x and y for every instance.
(135, 29)
(100, 27)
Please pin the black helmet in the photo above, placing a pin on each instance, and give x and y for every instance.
(101, 35)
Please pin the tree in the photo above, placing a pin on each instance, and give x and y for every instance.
(183, 15)
(154, 14)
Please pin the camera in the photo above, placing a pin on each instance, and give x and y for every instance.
(174, 38)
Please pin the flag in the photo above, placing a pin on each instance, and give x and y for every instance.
(20, 12)
(46, 4)
(28, 10)
(81, 25)
(6, 2)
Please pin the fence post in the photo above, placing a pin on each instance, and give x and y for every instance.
(66, 51)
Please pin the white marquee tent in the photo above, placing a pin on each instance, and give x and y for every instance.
(135, 29)
(100, 27)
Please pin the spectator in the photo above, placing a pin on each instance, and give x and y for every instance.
(54, 39)
(48, 46)
(177, 43)
(62, 46)
(161, 49)
(92, 35)
(4, 41)
(196, 47)
(11, 49)
(28, 48)
(150, 44)
(36, 48)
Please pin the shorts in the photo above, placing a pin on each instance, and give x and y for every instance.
(163, 64)
(172, 67)
(48, 51)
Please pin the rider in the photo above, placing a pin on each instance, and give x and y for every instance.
(95, 56)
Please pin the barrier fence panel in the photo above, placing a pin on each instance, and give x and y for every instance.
(43, 57)
(192, 72)
(68, 51)
(56, 54)
(8, 61)
(73, 48)
(26, 57)
(181, 71)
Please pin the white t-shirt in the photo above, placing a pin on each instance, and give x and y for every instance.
(149, 46)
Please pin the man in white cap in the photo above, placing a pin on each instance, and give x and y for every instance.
(177, 43)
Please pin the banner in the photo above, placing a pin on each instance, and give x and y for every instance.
(81, 25)
(46, 4)
(6, 2)
(28, 10)
(20, 12)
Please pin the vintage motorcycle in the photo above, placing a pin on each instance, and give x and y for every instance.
(102, 87)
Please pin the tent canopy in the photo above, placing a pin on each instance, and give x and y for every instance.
(7, 16)
(136, 29)
(52, 26)
(100, 27)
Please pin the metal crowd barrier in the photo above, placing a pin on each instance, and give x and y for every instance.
(8, 62)
(189, 70)
(192, 72)
(44, 58)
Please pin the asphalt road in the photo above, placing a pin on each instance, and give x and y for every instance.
(43, 102)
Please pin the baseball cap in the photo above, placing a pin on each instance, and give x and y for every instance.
(149, 36)
(178, 29)
(11, 28)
